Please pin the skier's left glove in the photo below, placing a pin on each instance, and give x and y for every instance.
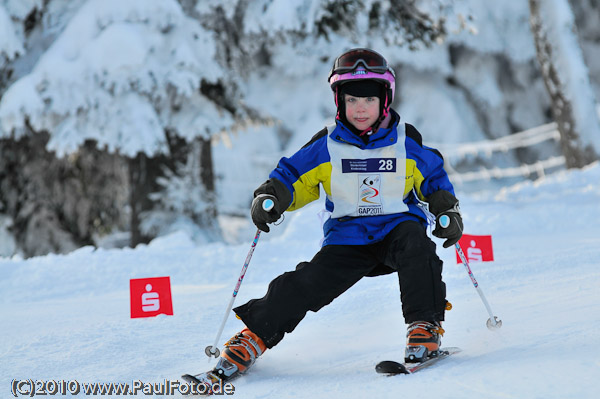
(443, 203)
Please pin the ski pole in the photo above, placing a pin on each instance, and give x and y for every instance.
(493, 322)
(213, 350)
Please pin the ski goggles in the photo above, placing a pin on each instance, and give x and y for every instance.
(352, 59)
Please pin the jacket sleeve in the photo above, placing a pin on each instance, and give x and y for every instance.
(429, 172)
(303, 172)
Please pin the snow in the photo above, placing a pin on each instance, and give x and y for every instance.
(67, 316)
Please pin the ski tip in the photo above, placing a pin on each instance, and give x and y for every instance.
(390, 367)
(451, 350)
(190, 378)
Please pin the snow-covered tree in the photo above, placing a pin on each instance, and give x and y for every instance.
(119, 74)
(127, 77)
(179, 207)
(566, 78)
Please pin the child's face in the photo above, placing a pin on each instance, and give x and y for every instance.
(361, 112)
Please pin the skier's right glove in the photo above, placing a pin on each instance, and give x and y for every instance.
(443, 203)
(262, 216)
(276, 191)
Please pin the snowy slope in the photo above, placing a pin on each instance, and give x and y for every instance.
(67, 317)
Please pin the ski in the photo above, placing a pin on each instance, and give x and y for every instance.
(208, 383)
(391, 367)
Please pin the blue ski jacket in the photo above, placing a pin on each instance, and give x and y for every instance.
(370, 186)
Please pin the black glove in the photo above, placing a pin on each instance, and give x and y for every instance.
(262, 216)
(443, 203)
(276, 191)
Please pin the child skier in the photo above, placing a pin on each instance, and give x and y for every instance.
(378, 177)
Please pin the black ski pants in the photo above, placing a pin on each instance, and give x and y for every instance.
(406, 250)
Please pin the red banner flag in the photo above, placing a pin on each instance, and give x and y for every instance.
(150, 297)
(476, 248)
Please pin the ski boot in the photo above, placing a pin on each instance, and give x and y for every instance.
(423, 340)
(240, 353)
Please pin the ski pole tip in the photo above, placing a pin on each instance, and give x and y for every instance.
(212, 351)
(494, 324)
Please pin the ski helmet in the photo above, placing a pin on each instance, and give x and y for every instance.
(363, 64)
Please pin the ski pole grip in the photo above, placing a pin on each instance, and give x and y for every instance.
(268, 204)
(444, 221)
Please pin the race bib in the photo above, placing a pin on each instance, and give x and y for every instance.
(367, 182)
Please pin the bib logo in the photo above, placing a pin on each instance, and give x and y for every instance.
(369, 195)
